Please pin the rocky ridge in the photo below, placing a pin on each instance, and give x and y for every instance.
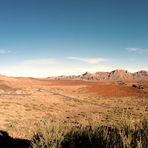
(115, 75)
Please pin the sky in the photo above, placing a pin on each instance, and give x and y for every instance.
(41, 38)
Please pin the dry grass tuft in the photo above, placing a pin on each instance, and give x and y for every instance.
(123, 134)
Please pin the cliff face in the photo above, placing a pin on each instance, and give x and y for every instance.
(141, 75)
(119, 75)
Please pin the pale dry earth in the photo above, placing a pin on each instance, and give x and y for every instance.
(24, 102)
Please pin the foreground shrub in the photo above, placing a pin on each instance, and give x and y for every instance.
(48, 135)
(134, 136)
(89, 137)
(57, 134)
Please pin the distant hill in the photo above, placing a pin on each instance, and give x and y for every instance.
(115, 75)
(118, 75)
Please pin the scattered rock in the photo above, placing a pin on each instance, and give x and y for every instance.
(137, 86)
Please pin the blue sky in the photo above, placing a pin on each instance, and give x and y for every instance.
(41, 38)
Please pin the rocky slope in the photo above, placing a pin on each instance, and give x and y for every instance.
(118, 75)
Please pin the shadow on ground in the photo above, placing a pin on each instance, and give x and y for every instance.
(8, 142)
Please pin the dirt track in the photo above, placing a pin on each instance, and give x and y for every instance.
(24, 102)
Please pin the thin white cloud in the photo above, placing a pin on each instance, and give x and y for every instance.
(95, 68)
(91, 61)
(137, 50)
(40, 61)
(4, 51)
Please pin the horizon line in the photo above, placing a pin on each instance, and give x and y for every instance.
(118, 69)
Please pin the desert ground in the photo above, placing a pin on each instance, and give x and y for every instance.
(25, 102)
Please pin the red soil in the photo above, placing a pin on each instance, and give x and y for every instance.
(116, 90)
(104, 89)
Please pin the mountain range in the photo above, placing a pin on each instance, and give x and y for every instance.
(115, 75)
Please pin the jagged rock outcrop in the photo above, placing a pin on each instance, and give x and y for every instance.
(120, 75)
(116, 75)
(141, 75)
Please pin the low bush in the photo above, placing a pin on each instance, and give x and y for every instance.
(58, 134)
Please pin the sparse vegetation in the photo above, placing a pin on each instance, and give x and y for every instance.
(117, 120)
(123, 134)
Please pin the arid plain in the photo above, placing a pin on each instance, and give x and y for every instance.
(25, 102)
